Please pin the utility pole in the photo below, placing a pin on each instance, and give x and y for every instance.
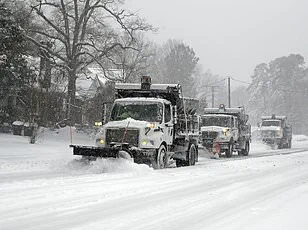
(229, 92)
(213, 94)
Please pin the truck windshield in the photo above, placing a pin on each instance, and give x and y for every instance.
(271, 123)
(216, 121)
(143, 111)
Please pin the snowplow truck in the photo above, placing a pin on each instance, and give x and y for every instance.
(225, 130)
(276, 132)
(149, 123)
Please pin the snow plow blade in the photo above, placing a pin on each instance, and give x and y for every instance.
(95, 151)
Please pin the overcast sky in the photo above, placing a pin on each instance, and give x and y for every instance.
(231, 36)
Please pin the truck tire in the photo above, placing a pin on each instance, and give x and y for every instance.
(197, 153)
(290, 144)
(191, 157)
(280, 145)
(245, 151)
(161, 158)
(229, 151)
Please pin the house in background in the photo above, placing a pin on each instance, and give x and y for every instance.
(95, 94)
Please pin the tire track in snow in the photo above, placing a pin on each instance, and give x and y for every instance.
(193, 197)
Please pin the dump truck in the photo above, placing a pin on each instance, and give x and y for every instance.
(149, 123)
(276, 132)
(225, 130)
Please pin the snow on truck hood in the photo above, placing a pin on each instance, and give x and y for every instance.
(128, 122)
(271, 128)
(213, 128)
(143, 99)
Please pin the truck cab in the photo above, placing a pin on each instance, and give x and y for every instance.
(219, 127)
(148, 123)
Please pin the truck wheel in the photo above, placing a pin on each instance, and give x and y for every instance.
(197, 153)
(192, 154)
(191, 158)
(290, 144)
(229, 151)
(161, 158)
(245, 152)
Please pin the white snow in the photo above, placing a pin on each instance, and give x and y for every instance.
(43, 186)
(17, 123)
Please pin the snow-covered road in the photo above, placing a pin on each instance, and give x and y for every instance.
(42, 187)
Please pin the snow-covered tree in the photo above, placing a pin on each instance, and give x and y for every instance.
(16, 76)
(180, 64)
(83, 32)
(280, 87)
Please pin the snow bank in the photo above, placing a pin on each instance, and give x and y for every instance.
(51, 155)
(65, 135)
(105, 166)
(300, 138)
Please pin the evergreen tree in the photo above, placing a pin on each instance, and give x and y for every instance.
(15, 74)
(180, 63)
(281, 87)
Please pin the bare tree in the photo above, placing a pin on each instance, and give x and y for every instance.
(133, 62)
(83, 32)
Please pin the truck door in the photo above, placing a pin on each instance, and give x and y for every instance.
(168, 124)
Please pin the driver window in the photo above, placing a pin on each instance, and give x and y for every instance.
(167, 113)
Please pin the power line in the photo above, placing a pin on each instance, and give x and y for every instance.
(284, 90)
(244, 82)
(213, 84)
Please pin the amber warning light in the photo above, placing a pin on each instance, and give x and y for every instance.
(145, 82)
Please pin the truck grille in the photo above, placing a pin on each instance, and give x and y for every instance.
(209, 135)
(116, 136)
(208, 138)
(268, 133)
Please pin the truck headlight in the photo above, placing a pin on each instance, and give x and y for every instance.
(225, 131)
(279, 133)
(151, 125)
(144, 142)
(100, 141)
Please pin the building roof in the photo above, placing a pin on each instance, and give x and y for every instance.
(88, 83)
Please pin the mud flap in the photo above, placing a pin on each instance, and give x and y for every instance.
(216, 151)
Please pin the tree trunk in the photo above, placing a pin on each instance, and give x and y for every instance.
(71, 97)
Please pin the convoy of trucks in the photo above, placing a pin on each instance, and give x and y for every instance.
(154, 124)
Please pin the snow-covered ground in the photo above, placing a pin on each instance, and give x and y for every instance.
(42, 186)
